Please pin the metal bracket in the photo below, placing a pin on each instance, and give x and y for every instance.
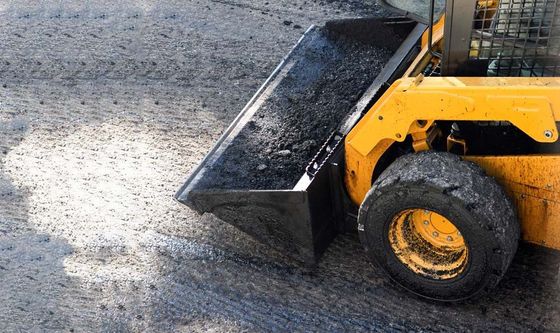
(323, 155)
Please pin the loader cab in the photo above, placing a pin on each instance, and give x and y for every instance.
(486, 37)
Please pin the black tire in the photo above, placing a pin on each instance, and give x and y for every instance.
(461, 192)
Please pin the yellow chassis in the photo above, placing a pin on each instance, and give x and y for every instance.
(412, 105)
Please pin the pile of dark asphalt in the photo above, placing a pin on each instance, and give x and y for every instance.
(279, 141)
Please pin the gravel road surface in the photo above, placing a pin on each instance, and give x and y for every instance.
(105, 106)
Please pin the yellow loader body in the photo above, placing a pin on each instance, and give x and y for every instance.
(412, 105)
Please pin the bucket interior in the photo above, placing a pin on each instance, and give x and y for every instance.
(319, 83)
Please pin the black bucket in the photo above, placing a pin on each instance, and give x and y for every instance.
(276, 172)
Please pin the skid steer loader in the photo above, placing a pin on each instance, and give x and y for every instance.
(433, 134)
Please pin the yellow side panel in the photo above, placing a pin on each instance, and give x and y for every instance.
(533, 182)
(412, 105)
(437, 32)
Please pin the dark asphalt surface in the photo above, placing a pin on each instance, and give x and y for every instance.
(105, 106)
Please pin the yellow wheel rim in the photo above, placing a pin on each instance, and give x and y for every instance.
(428, 244)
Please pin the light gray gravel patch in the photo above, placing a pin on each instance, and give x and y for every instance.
(105, 106)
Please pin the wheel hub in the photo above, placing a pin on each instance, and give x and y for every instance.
(436, 229)
(428, 244)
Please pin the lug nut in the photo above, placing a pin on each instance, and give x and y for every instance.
(435, 234)
(449, 238)
(459, 233)
(426, 222)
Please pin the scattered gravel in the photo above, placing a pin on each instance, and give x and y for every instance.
(90, 237)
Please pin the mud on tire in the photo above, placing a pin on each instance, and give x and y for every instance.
(461, 192)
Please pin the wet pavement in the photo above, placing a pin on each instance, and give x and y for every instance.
(105, 107)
